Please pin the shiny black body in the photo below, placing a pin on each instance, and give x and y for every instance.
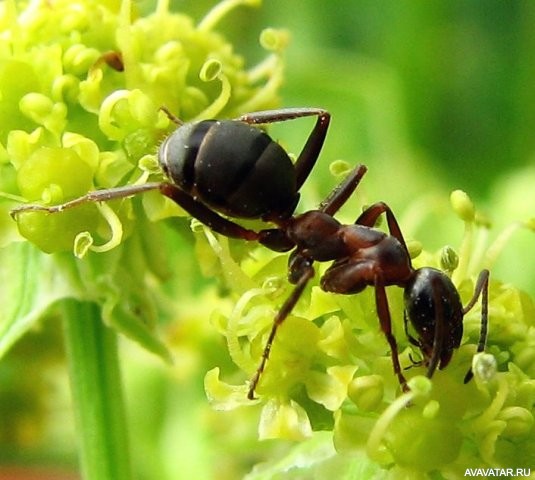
(192, 158)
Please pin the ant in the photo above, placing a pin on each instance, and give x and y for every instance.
(218, 170)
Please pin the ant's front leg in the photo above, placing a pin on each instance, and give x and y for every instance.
(481, 289)
(385, 319)
(440, 327)
(411, 339)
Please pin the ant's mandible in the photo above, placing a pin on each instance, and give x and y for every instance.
(230, 167)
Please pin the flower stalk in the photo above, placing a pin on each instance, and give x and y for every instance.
(96, 387)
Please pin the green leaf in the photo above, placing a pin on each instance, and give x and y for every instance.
(33, 282)
(30, 285)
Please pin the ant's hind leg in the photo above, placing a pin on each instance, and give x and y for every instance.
(90, 197)
(205, 215)
(310, 152)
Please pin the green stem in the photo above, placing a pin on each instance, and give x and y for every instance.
(96, 390)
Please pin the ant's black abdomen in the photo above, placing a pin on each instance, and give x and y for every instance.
(232, 167)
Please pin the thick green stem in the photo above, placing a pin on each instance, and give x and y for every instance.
(96, 390)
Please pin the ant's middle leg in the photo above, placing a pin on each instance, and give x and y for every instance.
(341, 193)
(301, 271)
(283, 313)
(369, 218)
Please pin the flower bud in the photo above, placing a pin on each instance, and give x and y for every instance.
(367, 392)
(462, 205)
(519, 421)
(449, 259)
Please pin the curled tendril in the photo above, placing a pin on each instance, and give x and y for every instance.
(84, 241)
(216, 14)
(210, 71)
(233, 334)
